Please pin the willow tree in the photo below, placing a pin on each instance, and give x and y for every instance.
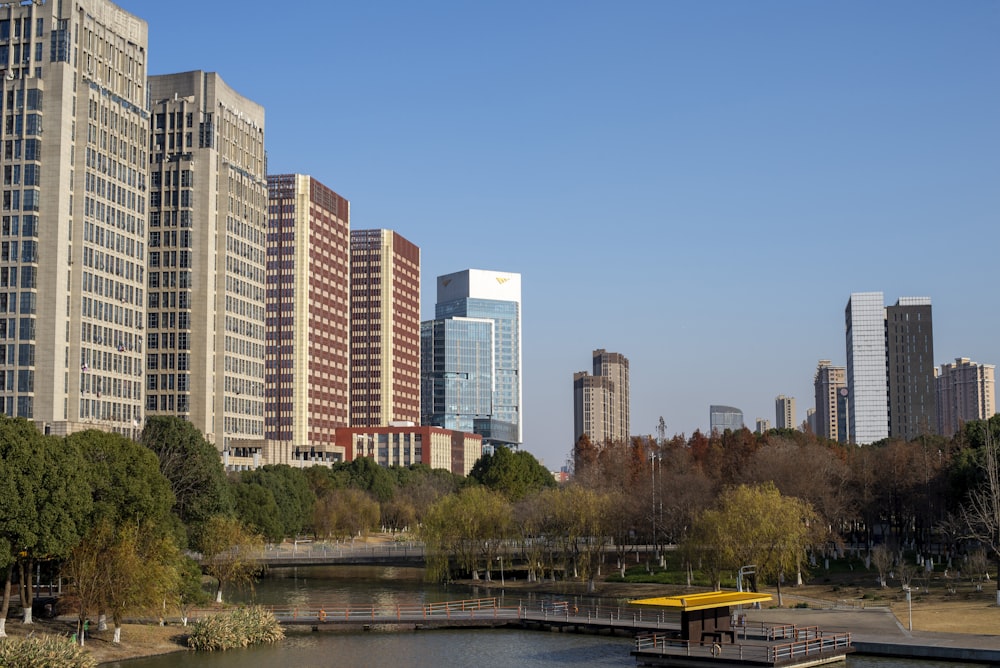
(468, 528)
(228, 551)
(756, 526)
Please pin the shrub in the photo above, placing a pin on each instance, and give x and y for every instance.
(239, 627)
(43, 652)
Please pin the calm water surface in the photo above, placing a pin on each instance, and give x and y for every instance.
(362, 586)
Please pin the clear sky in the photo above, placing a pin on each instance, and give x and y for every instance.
(698, 185)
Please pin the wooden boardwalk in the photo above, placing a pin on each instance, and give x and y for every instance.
(481, 613)
(776, 646)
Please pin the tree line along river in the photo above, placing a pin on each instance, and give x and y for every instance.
(346, 586)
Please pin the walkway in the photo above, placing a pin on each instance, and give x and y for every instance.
(484, 612)
(877, 631)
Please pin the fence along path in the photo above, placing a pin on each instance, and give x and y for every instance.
(478, 612)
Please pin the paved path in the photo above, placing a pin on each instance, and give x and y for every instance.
(877, 631)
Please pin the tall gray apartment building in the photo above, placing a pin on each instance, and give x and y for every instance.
(784, 412)
(966, 391)
(206, 262)
(890, 368)
(909, 340)
(601, 403)
(830, 387)
(72, 264)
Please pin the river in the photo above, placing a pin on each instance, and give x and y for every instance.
(343, 586)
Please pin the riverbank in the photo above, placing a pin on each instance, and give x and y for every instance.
(969, 612)
(138, 640)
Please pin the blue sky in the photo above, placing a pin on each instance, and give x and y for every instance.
(697, 185)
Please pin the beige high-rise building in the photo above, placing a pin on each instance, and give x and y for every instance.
(601, 406)
(308, 320)
(763, 425)
(830, 386)
(385, 329)
(73, 235)
(205, 275)
(784, 412)
(966, 391)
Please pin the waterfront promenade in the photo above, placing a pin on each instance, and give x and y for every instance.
(876, 631)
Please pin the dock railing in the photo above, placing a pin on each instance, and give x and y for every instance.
(812, 643)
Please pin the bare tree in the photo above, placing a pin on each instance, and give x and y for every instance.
(981, 513)
(882, 558)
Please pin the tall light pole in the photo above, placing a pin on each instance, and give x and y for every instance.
(500, 559)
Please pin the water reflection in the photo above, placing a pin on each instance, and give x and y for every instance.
(345, 586)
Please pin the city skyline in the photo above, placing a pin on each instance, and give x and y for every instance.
(731, 146)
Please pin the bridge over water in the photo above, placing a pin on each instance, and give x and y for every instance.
(483, 613)
(357, 553)
(347, 553)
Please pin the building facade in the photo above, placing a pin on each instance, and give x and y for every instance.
(722, 418)
(73, 235)
(205, 275)
(406, 445)
(493, 296)
(456, 373)
(966, 391)
(307, 350)
(830, 387)
(385, 329)
(784, 412)
(601, 404)
(868, 412)
(763, 425)
(909, 341)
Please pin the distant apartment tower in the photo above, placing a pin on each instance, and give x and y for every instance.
(966, 391)
(601, 406)
(73, 271)
(784, 412)
(206, 250)
(385, 329)
(307, 363)
(866, 368)
(722, 418)
(763, 425)
(830, 387)
(909, 337)
(484, 296)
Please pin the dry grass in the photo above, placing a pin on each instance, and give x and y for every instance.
(138, 640)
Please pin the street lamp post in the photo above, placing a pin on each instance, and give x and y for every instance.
(500, 559)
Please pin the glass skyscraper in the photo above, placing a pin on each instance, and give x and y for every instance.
(721, 418)
(868, 410)
(484, 297)
(456, 380)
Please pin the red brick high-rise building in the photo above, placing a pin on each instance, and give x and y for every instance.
(385, 329)
(307, 354)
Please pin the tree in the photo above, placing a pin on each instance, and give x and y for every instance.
(882, 558)
(127, 488)
(46, 501)
(125, 479)
(345, 513)
(193, 467)
(141, 573)
(87, 569)
(468, 527)
(292, 496)
(513, 474)
(981, 512)
(228, 553)
(756, 525)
